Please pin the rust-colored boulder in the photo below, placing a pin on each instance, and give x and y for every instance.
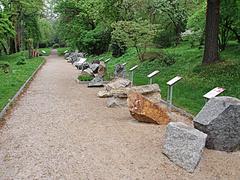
(144, 110)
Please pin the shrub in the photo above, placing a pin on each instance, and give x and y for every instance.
(165, 58)
(4, 66)
(55, 46)
(165, 38)
(118, 49)
(85, 78)
(21, 61)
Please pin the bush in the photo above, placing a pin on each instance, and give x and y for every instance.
(55, 46)
(95, 41)
(21, 61)
(165, 38)
(165, 58)
(4, 66)
(85, 78)
(118, 49)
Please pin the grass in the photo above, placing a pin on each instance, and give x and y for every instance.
(85, 78)
(61, 51)
(47, 50)
(197, 79)
(11, 82)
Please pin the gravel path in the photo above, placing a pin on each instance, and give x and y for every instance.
(60, 130)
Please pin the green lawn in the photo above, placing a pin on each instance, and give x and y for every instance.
(11, 82)
(47, 50)
(61, 51)
(197, 79)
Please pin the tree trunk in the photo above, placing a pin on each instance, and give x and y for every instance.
(211, 53)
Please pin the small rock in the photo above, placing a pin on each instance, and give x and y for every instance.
(144, 110)
(101, 69)
(220, 120)
(118, 83)
(120, 71)
(89, 71)
(184, 145)
(96, 82)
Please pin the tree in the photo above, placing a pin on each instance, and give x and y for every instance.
(211, 51)
(134, 34)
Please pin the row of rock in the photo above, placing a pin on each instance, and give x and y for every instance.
(216, 127)
(95, 69)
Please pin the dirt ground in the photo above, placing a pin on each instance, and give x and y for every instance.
(60, 130)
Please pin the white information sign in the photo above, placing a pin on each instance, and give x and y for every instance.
(133, 68)
(153, 74)
(106, 61)
(213, 93)
(174, 80)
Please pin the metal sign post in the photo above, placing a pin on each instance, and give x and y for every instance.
(150, 76)
(170, 84)
(106, 65)
(132, 72)
(124, 64)
(213, 93)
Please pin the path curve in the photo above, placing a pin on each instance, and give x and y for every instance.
(61, 130)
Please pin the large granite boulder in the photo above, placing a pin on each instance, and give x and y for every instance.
(144, 110)
(184, 145)
(118, 83)
(220, 120)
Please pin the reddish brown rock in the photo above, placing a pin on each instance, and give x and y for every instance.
(144, 110)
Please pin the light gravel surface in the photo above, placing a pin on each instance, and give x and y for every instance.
(60, 130)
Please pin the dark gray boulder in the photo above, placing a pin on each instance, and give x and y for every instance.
(220, 120)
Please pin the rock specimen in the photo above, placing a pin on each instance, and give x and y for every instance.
(120, 71)
(118, 83)
(220, 120)
(184, 145)
(123, 92)
(101, 69)
(151, 92)
(144, 110)
(96, 82)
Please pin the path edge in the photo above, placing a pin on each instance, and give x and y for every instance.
(21, 90)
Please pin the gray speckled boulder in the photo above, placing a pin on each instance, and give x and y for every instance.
(220, 120)
(184, 145)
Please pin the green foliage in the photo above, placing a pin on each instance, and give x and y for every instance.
(11, 82)
(4, 66)
(6, 30)
(60, 51)
(165, 38)
(55, 46)
(85, 78)
(134, 34)
(95, 41)
(46, 31)
(21, 60)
